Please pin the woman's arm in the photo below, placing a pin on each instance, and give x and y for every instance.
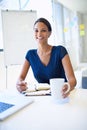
(69, 72)
(21, 84)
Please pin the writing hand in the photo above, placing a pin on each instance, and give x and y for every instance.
(21, 86)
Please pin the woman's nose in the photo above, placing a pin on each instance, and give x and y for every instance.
(39, 33)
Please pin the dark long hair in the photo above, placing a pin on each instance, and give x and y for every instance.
(46, 22)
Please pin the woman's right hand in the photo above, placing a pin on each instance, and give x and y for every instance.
(21, 86)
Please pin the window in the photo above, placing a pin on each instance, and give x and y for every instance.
(66, 31)
(58, 23)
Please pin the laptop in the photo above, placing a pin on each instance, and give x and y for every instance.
(11, 102)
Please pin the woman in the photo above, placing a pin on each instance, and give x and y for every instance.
(47, 61)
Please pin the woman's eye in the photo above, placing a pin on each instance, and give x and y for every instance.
(36, 30)
(43, 30)
(40, 31)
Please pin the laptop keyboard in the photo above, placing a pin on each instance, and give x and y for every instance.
(5, 106)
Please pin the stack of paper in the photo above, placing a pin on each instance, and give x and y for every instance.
(39, 89)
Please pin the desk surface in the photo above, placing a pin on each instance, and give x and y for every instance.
(44, 114)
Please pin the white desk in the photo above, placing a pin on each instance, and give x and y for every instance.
(43, 114)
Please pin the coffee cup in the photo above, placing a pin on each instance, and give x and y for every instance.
(56, 85)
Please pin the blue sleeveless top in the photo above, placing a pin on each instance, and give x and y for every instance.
(54, 68)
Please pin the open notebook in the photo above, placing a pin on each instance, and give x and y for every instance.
(38, 89)
(11, 103)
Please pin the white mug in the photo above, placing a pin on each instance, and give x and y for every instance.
(56, 85)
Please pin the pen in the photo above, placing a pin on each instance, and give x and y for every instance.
(23, 92)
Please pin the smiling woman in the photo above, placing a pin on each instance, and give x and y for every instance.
(46, 61)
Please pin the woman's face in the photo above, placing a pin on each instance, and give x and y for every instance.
(41, 32)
